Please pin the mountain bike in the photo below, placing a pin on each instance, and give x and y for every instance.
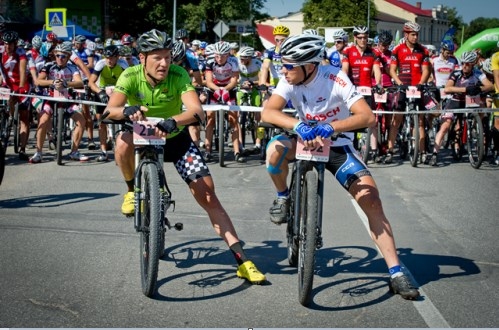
(471, 125)
(247, 120)
(304, 219)
(152, 198)
(5, 117)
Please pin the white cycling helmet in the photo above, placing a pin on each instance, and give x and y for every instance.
(221, 47)
(411, 27)
(487, 66)
(246, 52)
(360, 29)
(340, 35)
(303, 48)
(469, 57)
(311, 31)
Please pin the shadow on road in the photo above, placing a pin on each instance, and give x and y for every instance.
(358, 274)
(52, 200)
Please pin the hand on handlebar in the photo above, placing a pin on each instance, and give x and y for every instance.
(134, 112)
(165, 127)
(306, 132)
(473, 90)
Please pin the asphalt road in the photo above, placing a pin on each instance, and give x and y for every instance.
(70, 259)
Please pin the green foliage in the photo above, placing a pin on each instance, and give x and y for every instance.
(331, 13)
(19, 11)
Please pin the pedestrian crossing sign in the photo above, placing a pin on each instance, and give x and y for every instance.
(55, 17)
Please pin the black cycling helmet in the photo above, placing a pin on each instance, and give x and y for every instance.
(178, 51)
(10, 36)
(181, 34)
(385, 37)
(154, 40)
(111, 51)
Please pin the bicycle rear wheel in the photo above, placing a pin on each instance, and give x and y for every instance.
(474, 141)
(365, 144)
(308, 237)
(151, 227)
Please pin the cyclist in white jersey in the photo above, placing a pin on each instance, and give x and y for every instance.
(325, 95)
(222, 75)
(249, 73)
(443, 65)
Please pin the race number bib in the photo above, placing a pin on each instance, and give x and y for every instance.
(4, 93)
(412, 92)
(473, 101)
(364, 90)
(319, 154)
(143, 132)
(380, 98)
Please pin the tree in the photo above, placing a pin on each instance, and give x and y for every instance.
(331, 13)
(137, 16)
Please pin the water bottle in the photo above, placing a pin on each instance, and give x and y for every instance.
(260, 133)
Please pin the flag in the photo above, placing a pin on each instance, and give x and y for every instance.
(449, 35)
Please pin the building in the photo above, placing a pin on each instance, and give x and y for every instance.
(391, 16)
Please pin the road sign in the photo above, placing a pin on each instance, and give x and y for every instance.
(240, 29)
(55, 17)
(220, 29)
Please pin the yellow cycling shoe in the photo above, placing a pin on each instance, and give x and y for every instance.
(128, 206)
(249, 271)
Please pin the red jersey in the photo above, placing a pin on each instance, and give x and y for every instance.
(360, 65)
(10, 64)
(410, 63)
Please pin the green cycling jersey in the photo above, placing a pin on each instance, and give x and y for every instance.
(163, 100)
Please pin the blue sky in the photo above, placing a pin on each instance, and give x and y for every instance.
(467, 9)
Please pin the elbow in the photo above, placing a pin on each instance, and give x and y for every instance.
(371, 120)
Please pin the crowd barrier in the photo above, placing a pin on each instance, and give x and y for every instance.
(221, 107)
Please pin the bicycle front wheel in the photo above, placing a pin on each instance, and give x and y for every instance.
(474, 141)
(60, 128)
(16, 129)
(413, 139)
(308, 238)
(292, 237)
(151, 227)
(2, 162)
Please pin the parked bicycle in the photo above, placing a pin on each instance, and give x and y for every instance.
(152, 198)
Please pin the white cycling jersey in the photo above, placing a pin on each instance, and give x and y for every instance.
(327, 98)
(442, 69)
(249, 72)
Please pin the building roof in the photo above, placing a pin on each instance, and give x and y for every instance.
(410, 8)
(384, 17)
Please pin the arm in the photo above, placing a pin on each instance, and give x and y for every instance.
(22, 73)
(233, 81)
(209, 81)
(116, 104)
(272, 113)
(377, 74)
(92, 83)
(426, 73)
(76, 82)
(264, 72)
(193, 107)
(496, 79)
(394, 75)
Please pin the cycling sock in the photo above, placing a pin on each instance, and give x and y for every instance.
(395, 271)
(283, 194)
(129, 184)
(237, 251)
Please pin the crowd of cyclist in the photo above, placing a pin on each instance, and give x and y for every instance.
(222, 71)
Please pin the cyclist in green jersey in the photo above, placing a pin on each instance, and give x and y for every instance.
(157, 88)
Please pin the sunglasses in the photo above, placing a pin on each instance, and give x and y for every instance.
(362, 38)
(279, 39)
(291, 66)
(62, 56)
(339, 41)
